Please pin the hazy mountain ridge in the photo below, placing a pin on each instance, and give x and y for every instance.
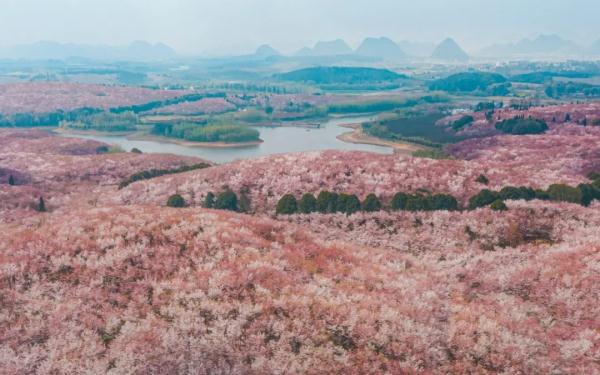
(266, 51)
(544, 45)
(449, 50)
(336, 47)
(46, 50)
(382, 47)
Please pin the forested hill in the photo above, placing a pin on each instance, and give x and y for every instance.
(346, 75)
(467, 82)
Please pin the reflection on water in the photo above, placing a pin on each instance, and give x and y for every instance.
(276, 140)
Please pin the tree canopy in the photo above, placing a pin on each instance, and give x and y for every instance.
(287, 205)
(227, 200)
(176, 201)
(521, 126)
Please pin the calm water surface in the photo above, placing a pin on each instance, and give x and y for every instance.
(276, 140)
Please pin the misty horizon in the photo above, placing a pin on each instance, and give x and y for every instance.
(168, 51)
(235, 27)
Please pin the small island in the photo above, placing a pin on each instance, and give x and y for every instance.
(195, 134)
(203, 135)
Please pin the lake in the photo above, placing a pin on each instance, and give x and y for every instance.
(276, 140)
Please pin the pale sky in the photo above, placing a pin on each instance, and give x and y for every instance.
(239, 26)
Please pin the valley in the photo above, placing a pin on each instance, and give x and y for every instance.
(376, 207)
(126, 268)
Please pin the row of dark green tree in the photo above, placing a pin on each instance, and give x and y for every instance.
(328, 203)
(226, 200)
(462, 122)
(104, 121)
(522, 126)
(74, 117)
(582, 194)
(139, 108)
(44, 119)
(152, 173)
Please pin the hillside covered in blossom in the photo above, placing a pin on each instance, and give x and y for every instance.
(53, 96)
(98, 275)
(531, 161)
(64, 171)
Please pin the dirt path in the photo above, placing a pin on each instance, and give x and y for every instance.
(357, 136)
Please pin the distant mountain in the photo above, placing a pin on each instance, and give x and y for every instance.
(449, 50)
(380, 47)
(340, 75)
(46, 50)
(147, 51)
(332, 48)
(541, 46)
(418, 49)
(266, 51)
(546, 44)
(336, 47)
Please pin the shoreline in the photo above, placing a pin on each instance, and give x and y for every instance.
(357, 136)
(91, 132)
(139, 136)
(181, 142)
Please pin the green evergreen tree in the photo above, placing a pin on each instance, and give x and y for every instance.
(308, 204)
(176, 201)
(341, 203)
(41, 207)
(287, 205)
(588, 193)
(510, 192)
(371, 203)
(352, 204)
(11, 180)
(527, 193)
(324, 201)
(209, 200)
(399, 201)
(418, 202)
(483, 198)
(541, 195)
(443, 202)
(332, 206)
(227, 200)
(565, 193)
